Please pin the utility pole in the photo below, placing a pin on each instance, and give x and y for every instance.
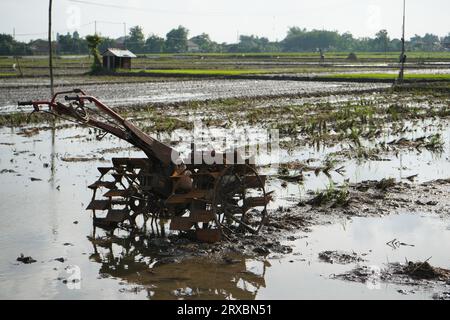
(52, 89)
(402, 56)
(95, 27)
(124, 35)
(50, 51)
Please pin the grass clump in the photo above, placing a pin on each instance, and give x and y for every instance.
(167, 124)
(434, 143)
(336, 196)
(17, 119)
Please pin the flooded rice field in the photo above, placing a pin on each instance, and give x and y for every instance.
(360, 194)
(131, 94)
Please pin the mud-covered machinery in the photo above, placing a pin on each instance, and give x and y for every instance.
(209, 200)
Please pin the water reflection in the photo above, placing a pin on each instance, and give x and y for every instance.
(145, 262)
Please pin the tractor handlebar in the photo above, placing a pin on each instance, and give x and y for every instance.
(24, 103)
(36, 104)
(72, 98)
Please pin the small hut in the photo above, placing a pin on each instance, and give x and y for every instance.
(117, 59)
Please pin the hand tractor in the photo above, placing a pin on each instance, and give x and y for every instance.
(210, 201)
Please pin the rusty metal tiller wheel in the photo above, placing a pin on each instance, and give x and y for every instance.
(240, 199)
(125, 198)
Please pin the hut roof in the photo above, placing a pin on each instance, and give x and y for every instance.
(120, 53)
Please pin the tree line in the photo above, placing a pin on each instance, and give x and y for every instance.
(177, 40)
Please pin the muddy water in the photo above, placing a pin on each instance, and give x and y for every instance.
(291, 277)
(425, 164)
(46, 219)
(410, 162)
(126, 94)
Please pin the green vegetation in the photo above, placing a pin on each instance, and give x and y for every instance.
(20, 118)
(7, 74)
(177, 40)
(93, 43)
(161, 123)
(411, 76)
(435, 143)
(336, 196)
(220, 64)
(339, 55)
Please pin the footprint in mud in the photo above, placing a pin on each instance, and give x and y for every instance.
(7, 171)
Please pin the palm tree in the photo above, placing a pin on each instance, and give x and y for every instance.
(93, 42)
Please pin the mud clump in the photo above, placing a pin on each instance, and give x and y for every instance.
(431, 143)
(82, 159)
(422, 270)
(410, 273)
(362, 274)
(25, 260)
(29, 132)
(352, 57)
(383, 184)
(373, 198)
(340, 257)
(442, 296)
(287, 221)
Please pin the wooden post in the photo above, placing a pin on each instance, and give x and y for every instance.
(50, 51)
(402, 57)
(52, 90)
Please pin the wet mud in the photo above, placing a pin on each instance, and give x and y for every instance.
(138, 94)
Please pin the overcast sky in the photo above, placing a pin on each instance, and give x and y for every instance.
(224, 20)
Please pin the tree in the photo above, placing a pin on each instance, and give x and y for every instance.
(154, 44)
(297, 39)
(395, 45)
(107, 43)
(71, 43)
(252, 43)
(204, 43)
(346, 42)
(381, 41)
(7, 44)
(79, 44)
(431, 42)
(177, 40)
(136, 39)
(446, 41)
(65, 43)
(93, 42)
(302, 40)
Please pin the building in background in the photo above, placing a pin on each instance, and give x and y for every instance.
(117, 59)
